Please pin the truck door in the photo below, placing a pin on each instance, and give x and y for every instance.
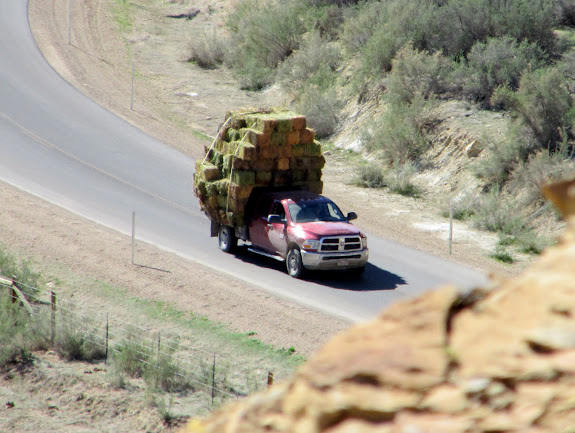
(277, 232)
(258, 225)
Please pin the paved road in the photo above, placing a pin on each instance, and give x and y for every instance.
(59, 145)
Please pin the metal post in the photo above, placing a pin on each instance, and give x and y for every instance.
(107, 337)
(450, 225)
(52, 316)
(69, 22)
(133, 233)
(213, 379)
(132, 98)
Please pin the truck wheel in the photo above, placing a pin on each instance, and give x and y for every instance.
(294, 263)
(227, 240)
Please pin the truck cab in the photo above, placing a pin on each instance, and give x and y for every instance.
(304, 229)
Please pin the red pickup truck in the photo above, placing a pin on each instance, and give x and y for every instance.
(304, 229)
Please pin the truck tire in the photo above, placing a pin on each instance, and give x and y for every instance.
(227, 240)
(294, 263)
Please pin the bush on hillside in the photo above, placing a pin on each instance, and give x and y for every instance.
(314, 64)
(542, 105)
(399, 135)
(498, 62)
(417, 74)
(321, 107)
(369, 175)
(502, 158)
(264, 33)
(208, 50)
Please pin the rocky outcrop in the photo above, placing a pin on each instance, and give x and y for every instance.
(497, 359)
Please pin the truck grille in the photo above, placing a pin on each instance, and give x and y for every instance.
(340, 243)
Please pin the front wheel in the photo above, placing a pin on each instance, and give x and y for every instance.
(227, 240)
(294, 263)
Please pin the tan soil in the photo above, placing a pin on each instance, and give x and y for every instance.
(173, 99)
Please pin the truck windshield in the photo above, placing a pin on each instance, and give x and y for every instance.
(306, 212)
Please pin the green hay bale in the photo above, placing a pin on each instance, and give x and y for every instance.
(298, 123)
(244, 178)
(313, 175)
(262, 165)
(313, 149)
(263, 178)
(317, 163)
(240, 192)
(232, 134)
(316, 187)
(247, 152)
(298, 150)
(284, 125)
(282, 164)
(307, 136)
(269, 152)
(299, 176)
(211, 189)
(210, 171)
(282, 178)
(227, 165)
(222, 201)
(278, 139)
(222, 186)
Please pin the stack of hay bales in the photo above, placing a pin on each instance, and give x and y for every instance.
(256, 149)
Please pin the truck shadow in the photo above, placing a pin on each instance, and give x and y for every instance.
(374, 278)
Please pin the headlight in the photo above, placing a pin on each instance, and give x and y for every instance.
(364, 242)
(310, 245)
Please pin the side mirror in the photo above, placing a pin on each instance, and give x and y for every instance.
(275, 219)
(351, 216)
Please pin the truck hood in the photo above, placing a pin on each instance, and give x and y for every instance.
(323, 228)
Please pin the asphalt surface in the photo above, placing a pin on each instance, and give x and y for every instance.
(59, 145)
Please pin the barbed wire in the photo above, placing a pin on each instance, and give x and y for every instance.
(73, 317)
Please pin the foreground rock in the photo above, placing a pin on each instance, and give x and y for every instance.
(498, 359)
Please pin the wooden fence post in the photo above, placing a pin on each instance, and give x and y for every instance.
(270, 379)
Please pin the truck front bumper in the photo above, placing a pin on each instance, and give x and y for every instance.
(324, 261)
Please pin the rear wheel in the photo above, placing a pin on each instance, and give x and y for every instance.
(294, 263)
(227, 240)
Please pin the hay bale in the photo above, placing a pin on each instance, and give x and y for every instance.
(269, 148)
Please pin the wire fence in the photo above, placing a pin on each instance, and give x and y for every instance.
(164, 360)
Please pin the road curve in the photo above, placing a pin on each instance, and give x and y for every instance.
(59, 145)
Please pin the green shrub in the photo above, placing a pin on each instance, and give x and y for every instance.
(463, 207)
(416, 73)
(498, 62)
(477, 20)
(10, 267)
(76, 339)
(399, 179)
(208, 50)
(542, 105)
(321, 107)
(369, 175)
(314, 64)
(131, 355)
(542, 168)
(501, 159)
(264, 33)
(529, 242)
(399, 134)
(499, 214)
(501, 255)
